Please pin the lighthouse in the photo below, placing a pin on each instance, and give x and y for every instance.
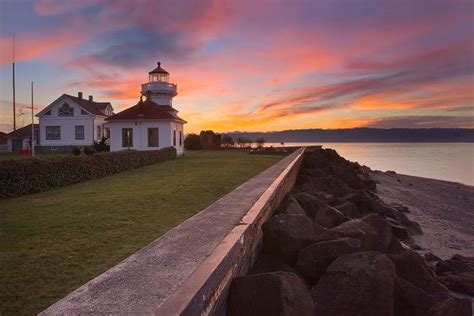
(158, 88)
(153, 123)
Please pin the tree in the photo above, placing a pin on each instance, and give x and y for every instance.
(241, 142)
(192, 141)
(227, 141)
(260, 141)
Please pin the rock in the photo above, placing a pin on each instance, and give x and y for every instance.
(412, 227)
(315, 258)
(366, 203)
(356, 284)
(294, 208)
(285, 234)
(355, 228)
(383, 230)
(398, 231)
(457, 274)
(400, 207)
(390, 172)
(267, 263)
(327, 184)
(276, 293)
(330, 217)
(456, 264)
(460, 282)
(326, 197)
(410, 300)
(349, 209)
(309, 203)
(452, 306)
(413, 269)
(431, 257)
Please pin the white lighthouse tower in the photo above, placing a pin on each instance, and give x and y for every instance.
(158, 88)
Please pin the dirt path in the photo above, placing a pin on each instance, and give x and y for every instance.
(445, 211)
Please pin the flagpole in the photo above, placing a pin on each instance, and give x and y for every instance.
(14, 105)
(32, 124)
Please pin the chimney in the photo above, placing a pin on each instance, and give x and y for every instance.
(91, 98)
(79, 95)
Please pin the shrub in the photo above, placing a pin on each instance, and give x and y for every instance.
(101, 145)
(76, 151)
(89, 150)
(192, 141)
(26, 176)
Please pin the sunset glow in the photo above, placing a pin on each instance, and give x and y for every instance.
(250, 65)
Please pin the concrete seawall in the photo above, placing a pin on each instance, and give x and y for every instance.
(188, 270)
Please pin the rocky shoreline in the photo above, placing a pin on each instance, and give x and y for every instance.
(335, 248)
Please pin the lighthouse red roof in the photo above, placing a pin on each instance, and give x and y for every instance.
(146, 110)
(158, 70)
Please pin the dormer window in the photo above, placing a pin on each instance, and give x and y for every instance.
(66, 110)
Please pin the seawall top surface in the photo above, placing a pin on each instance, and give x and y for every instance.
(143, 281)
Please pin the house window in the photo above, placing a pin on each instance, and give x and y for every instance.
(83, 112)
(66, 110)
(99, 132)
(153, 137)
(53, 132)
(174, 137)
(106, 132)
(127, 137)
(79, 131)
(180, 138)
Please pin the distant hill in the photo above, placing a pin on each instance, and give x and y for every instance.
(364, 135)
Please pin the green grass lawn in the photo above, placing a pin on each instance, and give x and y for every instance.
(55, 241)
(15, 155)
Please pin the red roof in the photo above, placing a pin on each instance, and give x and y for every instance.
(96, 108)
(22, 132)
(146, 110)
(158, 70)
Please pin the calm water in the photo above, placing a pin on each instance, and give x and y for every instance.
(445, 161)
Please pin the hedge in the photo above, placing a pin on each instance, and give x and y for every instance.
(27, 176)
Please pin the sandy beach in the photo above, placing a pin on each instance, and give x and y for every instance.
(445, 211)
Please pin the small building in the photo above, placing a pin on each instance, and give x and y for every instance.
(71, 121)
(153, 122)
(21, 138)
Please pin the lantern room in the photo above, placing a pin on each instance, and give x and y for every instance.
(158, 74)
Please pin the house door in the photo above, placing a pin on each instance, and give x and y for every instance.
(17, 144)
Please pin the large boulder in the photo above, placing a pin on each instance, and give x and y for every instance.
(457, 264)
(412, 227)
(457, 274)
(276, 293)
(330, 217)
(355, 228)
(356, 284)
(383, 229)
(452, 306)
(327, 184)
(309, 203)
(293, 207)
(410, 300)
(348, 208)
(411, 267)
(268, 263)
(285, 234)
(314, 259)
(462, 282)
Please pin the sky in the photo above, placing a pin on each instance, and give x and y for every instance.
(249, 65)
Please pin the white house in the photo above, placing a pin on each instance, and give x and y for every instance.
(70, 122)
(152, 123)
